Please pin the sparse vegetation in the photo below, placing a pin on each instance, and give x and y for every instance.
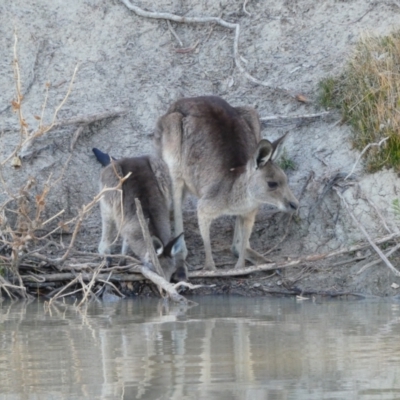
(285, 162)
(396, 208)
(368, 96)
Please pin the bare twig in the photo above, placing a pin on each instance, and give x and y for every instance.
(88, 288)
(289, 264)
(106, 282)
(188, 49)
(169, 288)
(362, 229)
(89, 119)
(174, 33)
(76, 137)
(27, 138)
(304, 116)
(372, 263)
(370, 8)
(373, 205)
(86, 276)
(190, 285)
(244, 8)
(362, 153)
(63, 289)
(147, 239)
(206, 20)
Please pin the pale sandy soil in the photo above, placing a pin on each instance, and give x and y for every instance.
(131, 62)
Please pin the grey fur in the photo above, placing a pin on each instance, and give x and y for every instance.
(215, 151)
(150, 183)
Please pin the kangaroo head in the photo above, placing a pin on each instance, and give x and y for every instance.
(267, 182)
(170, 258)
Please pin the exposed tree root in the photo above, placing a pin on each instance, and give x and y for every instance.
(206, 20)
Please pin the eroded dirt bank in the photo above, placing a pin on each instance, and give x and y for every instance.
(133, 67)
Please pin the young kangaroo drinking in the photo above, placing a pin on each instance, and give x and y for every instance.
(215, 151)
(150, 183)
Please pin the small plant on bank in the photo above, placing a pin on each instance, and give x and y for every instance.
(368, 95)
(285, 162)
(396, 208)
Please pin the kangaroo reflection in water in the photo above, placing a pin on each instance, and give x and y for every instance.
(225, 348)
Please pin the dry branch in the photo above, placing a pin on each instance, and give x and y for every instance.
(362, 229)
(86, 276)
(244, 8)
(174, 33)
(375, 262)
(362, 153)
(89, 119)
(206, 20)
(304, 116)
(147, 239)
(169, 288)
(291, 263)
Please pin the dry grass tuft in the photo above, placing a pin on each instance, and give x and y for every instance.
(368, 96)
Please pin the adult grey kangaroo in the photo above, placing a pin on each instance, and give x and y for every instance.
(150, 183)
(215, 151)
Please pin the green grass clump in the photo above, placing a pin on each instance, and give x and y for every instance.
(368, 96)
(286, 163)
(396, 208)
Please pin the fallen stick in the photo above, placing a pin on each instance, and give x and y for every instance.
(244, 8)
(174, 33)
(362, 153)
(292, 263)
(89, 119)
(372, 263)
(304, 116)
(169, 288)
(86, 276)
(362, 229)
(147, 239)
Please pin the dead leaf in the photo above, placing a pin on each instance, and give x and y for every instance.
(301, 98)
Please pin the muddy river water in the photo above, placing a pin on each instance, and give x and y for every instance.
(225, 348)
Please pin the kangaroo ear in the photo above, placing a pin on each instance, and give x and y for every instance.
(158, 246)
(278, 147)
(175, 246)
(262, 154)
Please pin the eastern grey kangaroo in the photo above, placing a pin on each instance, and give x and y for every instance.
(150, 183)
(215, 151)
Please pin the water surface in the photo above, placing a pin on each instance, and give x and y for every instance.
(225, 348)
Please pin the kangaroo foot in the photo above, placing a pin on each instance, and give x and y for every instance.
(210, 266)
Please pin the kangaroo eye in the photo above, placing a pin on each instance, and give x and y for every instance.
(272, 185)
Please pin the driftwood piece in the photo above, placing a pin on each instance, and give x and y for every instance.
(169, 288)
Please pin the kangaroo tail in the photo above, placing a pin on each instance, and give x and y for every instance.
(103, 158)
